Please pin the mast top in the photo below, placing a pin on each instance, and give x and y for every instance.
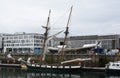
(45, 38)
(67, 27)
(66, 31)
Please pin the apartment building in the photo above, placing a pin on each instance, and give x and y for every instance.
(1, 44)
(23, 42)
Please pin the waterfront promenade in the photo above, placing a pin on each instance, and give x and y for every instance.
(96, 60)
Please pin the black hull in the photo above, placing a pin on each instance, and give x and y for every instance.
(112, 71)
(53, 70)
(93, 69)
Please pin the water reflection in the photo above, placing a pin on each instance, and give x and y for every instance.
(12, 73)
(113, 76)
(18, 73)
(51, 75)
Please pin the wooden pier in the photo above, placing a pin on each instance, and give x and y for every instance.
(10, 65)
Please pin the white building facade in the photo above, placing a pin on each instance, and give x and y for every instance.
(1, 44)
(23, 42)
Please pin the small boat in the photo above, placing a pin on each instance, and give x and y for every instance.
(113, 67)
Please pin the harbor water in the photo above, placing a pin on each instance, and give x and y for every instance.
(18, 73)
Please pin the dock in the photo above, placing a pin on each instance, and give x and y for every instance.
(10, 65)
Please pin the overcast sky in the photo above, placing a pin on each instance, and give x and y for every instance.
(89, 17)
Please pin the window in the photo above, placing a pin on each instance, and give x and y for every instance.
(113, 65)
(20, 37)
(25, 37)
(22, 41)
(15, 37)
(31, 36)
(117, 64)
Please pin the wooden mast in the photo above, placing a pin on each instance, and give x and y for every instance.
(45, 37)
(66, 33)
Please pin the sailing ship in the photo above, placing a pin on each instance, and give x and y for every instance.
(61, 67)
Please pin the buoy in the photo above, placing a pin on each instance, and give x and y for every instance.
(23, 67)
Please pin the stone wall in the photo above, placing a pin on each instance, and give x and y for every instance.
(97, 60)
